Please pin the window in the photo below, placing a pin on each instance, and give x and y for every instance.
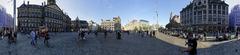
(199, 12)
(223, 7)
(214, 6)
(210, 6)
(210, 11)
(214, 12)
(204, 11)
(219, 12)
(219, 6)
(195, 13)
(223, 12)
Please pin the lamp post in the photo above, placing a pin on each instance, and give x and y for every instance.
(14, 16)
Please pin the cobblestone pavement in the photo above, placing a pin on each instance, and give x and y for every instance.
(133, 44)
(67, 44)
(230, 47)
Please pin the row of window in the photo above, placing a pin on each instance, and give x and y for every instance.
(204, 12)
(205, 20)
(29, 20)
(56, 16)
(30, 14)
(30, 29)
(30, 24)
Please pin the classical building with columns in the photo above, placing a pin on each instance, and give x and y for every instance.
(206, 15)
(31, 16)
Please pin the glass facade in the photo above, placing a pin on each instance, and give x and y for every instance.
(235, 17)
(5, 19)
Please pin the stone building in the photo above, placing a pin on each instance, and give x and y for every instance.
(31, 16)
(207, 15)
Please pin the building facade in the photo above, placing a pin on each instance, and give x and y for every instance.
(112, 25)
(207, 15)
(137, 25)
(31, 16)
(6, 20)
(79, 25)
(234, 18)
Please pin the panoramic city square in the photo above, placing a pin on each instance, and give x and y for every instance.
(119, 27)
(130, 44)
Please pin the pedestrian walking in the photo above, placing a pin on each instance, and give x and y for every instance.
(119, 36)
(237, 34)
(142, 34)
(153, 33)
(96, 33)
(82, 35)
(10, 37)
(105, 34)
(192, 45)
(14, 37)
(2, 35)
(46, 38)
(34, 38)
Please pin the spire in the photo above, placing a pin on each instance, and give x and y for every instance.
(171, 15)
(28, 2)
(24, 2)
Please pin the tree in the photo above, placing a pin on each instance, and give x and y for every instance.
(173, 25)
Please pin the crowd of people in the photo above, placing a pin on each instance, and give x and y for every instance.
(42, 33)
(147, 33)
(82, 34)
(10, 34)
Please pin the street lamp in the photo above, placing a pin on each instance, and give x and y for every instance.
(14, 15)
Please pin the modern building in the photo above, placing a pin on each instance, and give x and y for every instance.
(112, 25)
(6, 20)
(137, 25)
(31, 16)
(79, 25)
(234, 18)
(207, 15)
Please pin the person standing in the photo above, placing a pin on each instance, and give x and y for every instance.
(153, 33)
(34, 38)
(237, 34)
(2, 35)
(10, 36)
(119, 36)
(96, 33)
(82, 35)
(46, 38)
(105, 34)
(192, 45)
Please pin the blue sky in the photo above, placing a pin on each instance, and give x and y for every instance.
(127, 9)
